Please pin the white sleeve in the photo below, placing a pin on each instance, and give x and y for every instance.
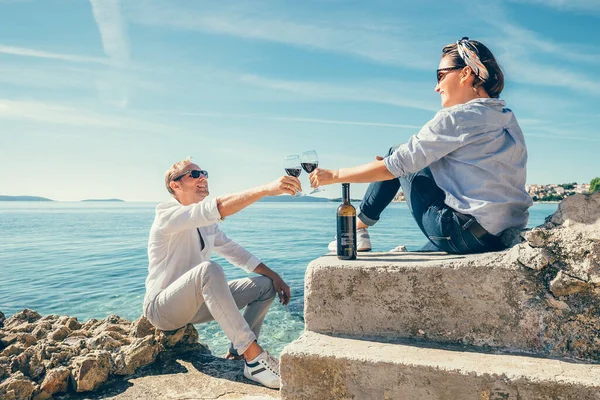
(173, 217)
(233, 252)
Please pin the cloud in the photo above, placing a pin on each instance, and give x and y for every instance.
(367, 92)
(552, 130)
(384, 41)
(291, 119)
(20, 51)
(524, 54)
(52, 113)
(107, 14)
(568, 5)
(69, 116)
(111, 24)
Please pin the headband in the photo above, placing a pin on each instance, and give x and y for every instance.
(468, 52)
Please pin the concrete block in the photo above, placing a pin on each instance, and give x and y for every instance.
(487, 300)
(324, 367)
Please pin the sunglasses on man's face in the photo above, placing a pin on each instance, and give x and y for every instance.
(194, 173)
(442, 71)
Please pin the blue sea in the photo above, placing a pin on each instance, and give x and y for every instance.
(89, 259)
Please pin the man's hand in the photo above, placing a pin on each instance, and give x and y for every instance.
(285, 184)
(283, 290)
(322, 177)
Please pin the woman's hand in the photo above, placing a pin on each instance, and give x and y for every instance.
(322, 177)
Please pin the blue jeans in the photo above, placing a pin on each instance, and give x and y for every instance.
(425, 200)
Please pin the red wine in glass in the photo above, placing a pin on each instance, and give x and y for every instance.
(309, 167)
(292, 167)
(310, 162)
(293, 171)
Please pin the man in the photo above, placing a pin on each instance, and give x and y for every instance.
(183, 286)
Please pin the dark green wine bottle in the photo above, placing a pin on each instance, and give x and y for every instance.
(346, 226)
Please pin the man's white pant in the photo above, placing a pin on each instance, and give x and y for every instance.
(203, 294)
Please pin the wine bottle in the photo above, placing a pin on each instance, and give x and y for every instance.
(346, 226)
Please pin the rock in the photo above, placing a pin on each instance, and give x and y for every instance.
(73, 324)
(141, 352)
(56, 380)
(49, 318)
(26, 315)
(43, 395)
(61, 356)
(103, 341)
(565, 285)
(557, 304)
(59, 334)
(511, 237)
(9, 339)
(112, 323)
(41, 330)
(185, 335)
(398, 249)
(29, 362)
(142, 327)
(43, 356)
(27, 339)
(90, 371)
(3, 372)
(90, 325)
(12, 350)
(578, 212)
(16, 387)
(538, 237)
(2, 319)
(530, 257)
(23, 327)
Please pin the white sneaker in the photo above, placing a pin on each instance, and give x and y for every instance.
(363, 241)
(264, 369)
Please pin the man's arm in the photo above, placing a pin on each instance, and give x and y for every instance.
(282, 289)
(240, 257)
(229, 204)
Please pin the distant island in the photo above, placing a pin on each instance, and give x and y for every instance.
(105, 200)
(302, 199)
(339, 200)
(23, 198)
(292, 199)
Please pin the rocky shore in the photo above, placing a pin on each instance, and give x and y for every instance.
(57, 356)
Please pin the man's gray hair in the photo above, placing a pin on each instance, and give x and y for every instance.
(175, 171)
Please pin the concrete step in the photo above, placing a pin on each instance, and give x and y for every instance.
(319, 366)
(488, 300)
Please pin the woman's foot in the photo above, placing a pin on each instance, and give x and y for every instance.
(363, 241)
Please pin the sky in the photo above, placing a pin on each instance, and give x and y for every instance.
(99, 98)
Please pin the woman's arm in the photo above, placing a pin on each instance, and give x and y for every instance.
(375, 171)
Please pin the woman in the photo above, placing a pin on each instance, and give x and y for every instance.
(463, 174)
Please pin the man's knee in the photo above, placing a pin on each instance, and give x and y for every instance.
(208, 270)
(267, 289)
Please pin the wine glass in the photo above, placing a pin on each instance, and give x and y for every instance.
(292, 167)
(310, 162)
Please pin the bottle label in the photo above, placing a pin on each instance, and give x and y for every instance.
(346, 237)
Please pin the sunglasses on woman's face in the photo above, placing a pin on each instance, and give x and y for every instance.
(442, 71)
(194, 173)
